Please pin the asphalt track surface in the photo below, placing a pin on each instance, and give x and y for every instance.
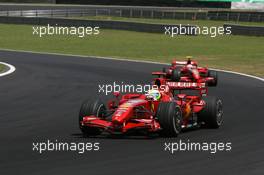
(41, 101)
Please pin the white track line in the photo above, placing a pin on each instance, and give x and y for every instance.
(121, 59)
(10, 70)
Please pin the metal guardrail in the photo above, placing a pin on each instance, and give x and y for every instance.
(61, 13)
(141, 13)
(115, 25)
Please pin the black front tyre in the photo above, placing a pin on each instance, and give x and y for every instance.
(212, 113)
(89, 107)
(169, 116)
(213, 74)
(164, 69)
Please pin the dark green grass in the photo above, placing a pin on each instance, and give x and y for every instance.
(236, 53)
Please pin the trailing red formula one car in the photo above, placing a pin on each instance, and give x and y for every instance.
(158, 111)
(188, 71)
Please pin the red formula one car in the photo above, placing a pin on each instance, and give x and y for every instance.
(158, 111)
(188, 71)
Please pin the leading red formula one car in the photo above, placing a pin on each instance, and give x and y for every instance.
(158, 111)
(188, 71)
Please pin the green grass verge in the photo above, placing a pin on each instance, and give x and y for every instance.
(171, 21)
(236, 53)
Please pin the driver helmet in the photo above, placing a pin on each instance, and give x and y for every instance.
(173, 63)
(189, 66)
(189, 59)
(154, 94)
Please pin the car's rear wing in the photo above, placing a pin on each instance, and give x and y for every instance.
(201, 87)
(185, 85)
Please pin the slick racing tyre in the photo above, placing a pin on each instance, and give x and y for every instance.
(176, 75)
(169, 116)
(164, 69)
(213, 74)
(212, 113)
(96, 108)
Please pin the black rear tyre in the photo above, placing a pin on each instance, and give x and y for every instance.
(176, 75)
(164, 69)
(213, 74)
(170, 118)
(96, 108)
(212, 113)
